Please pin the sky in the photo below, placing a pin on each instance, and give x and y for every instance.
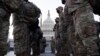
(44, 6)
(96, 17)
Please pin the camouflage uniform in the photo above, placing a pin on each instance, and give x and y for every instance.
(6, 8)
(56, 28)
(4, 27)
(43, 45)
(57, 36)
(83, 43)
(68, 31)
(24, 17)
(62, 31)
(98, 31)
(35, 32)
(35, 39)
(53, 45)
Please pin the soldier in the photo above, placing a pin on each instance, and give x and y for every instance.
(27, 15)
(56, 28)
(36, 33)
(35, 38)
(57, 36)
(53, 45)
(85, 29)
(43, 44)
(6, 8)
(36, 43)
(69, 31)
(62, 30)
(4, 27)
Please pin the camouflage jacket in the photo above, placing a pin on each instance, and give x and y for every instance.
(12, 4)
(75, 4)
(28, 13)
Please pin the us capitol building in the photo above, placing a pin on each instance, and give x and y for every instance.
(47, 27)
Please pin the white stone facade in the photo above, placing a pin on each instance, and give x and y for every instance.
(47, 27)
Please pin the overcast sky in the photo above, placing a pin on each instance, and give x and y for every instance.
(46, 5)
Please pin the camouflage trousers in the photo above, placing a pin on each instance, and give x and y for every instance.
(35, 43)
(4, 27)
(36, 48)
(66, 33)
(21, 38)
(85, 33)
(58, 47)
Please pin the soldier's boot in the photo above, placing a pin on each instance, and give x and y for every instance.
(23, 54)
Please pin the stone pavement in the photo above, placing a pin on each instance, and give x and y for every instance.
(11, 53)
(47, 51)
(47, 54)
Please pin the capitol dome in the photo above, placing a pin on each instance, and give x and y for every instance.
(47, 27)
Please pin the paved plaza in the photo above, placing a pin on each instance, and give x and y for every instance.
(47, 51)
